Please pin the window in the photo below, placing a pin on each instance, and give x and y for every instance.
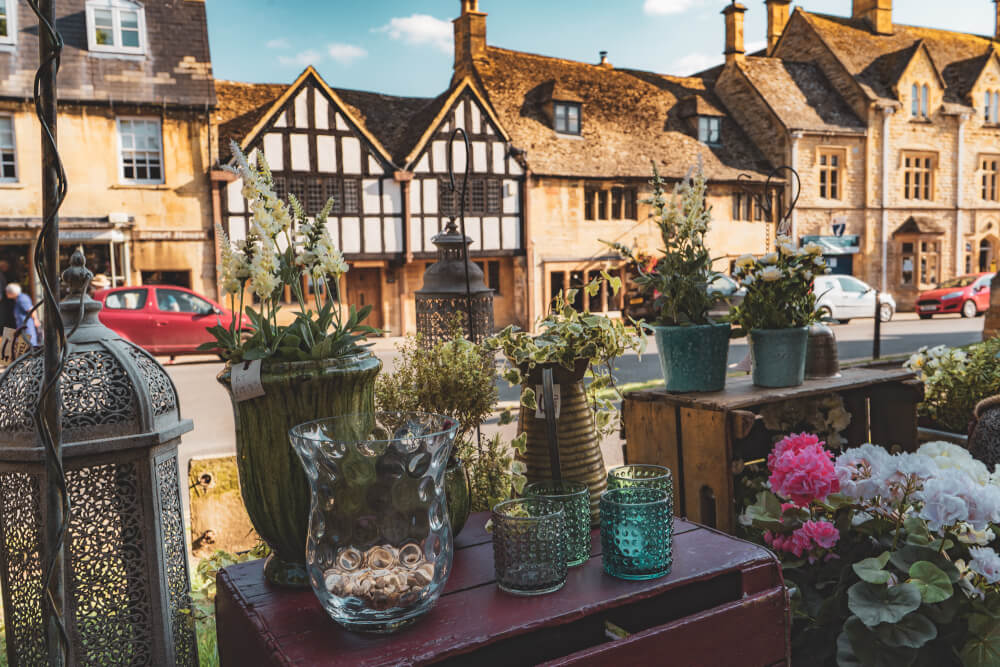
(176, 301)
(991, 106)
(602, 205)
(616, 203)
(907, 263)
(8, 160)
(491, 274)
(920, 261)
(352, 196)
(133, 299)
(482, 196)
(141, 154)
(852, 285)
(831, 162)
(709, 129)
(315, 199)
(918, 176)
(742, 206)
(493, 196)
(567, 117)
(8, 21)
(623, 204)
(589, 196)
(920, 100)
(989, 166)
(477, 192)
(116, 26)
(631, 204)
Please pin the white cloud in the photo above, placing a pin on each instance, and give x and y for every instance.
(302, 58)
(420, 29)
(694, 62)
(662, 7)
(345, 54)
(280, 43)
(755, 45)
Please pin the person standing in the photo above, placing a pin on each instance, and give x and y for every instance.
(22, 307)
(6, 304)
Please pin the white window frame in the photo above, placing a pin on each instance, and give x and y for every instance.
(115, 7)
(566, 106)
(13, 146)
(121, 152)
(10, 7)
(706, 123)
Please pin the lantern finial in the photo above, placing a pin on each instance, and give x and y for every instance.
(77, 277)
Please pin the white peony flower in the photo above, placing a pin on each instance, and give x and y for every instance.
(745, 261)
(770, 274)
(770, 258)
(985, 562)
(814, 249)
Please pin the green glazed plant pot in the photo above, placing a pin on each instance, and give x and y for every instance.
(778, 356)
(273, 484)
(458, 493)
(693, 358)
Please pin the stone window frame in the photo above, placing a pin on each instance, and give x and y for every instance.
(924, 259)
(991, 107)
(567, 128)
(116, 7)
(989, 171)
(710, 130)
(834, 189)
(8, 153)
(122, 178)
(912, 182)
(10, 15)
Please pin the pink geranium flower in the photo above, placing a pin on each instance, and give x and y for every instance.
(802, 470)
(791, 443)
(823, 533)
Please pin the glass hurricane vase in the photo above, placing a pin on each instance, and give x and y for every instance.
(379, 548)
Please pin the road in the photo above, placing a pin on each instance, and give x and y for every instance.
(206, 402)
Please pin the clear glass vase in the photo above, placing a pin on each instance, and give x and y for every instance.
(380, 542)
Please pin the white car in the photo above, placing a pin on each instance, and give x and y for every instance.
(842, 298)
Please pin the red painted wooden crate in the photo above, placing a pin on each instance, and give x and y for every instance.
(723, 604)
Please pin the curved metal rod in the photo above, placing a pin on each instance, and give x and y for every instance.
(58, 648)
(764, 202)
(461, 217)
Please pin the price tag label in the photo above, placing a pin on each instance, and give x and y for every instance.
(540, 401)
(245, 381)
(12, 346)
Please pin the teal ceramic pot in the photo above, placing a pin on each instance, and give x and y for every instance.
(778, 356)
(693, 358)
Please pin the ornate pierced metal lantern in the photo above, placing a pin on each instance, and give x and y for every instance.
(127, 586)
(453, 285)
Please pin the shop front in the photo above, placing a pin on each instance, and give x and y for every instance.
(838, 251)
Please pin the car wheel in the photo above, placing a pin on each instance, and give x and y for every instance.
(969, 309)
(925, 317)
(844, 321)
(824, 313)
(885, 312)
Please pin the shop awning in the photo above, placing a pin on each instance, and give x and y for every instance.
(836, 245)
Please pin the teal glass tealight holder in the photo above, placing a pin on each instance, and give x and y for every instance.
(637, 526)
(575, 499)
(644, 475)
(529, 546)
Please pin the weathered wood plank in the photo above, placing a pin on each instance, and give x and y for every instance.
(706, 453)
(651, 429)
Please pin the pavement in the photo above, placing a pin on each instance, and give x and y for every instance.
(205, 401)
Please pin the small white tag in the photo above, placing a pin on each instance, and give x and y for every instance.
(12, 346)
(540, 401)
(245, 381)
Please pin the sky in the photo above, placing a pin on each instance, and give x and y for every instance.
(404, 47)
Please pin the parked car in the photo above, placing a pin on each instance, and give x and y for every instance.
(162, 319)
(842, 298)
(730, 293)
(968, 295)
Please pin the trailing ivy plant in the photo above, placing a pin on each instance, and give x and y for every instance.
(568, 336)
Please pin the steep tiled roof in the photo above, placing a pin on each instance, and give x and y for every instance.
(629, 118)
(801, 96)
(877, 61)
(240, 107)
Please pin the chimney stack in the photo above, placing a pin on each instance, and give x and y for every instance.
(878, 13)
(735, 51)
(606, 63)
(777, 19)
(470, 39)
(996, 33)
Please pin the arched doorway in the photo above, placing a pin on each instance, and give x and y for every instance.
(988, 254)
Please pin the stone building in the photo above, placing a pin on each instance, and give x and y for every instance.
(135, 99)
(894, 129)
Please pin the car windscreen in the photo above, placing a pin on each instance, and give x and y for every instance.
(126, 300)
(961, 281)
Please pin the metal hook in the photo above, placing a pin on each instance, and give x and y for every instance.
(764, 202)
(461, 217)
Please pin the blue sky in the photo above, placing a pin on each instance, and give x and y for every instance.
(403, 47)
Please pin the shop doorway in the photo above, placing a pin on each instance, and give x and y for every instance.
(364, 287)
(987, 255)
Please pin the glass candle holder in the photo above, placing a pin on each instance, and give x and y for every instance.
(529, 546)
(646, 476)
(575, 499)
(637, 532)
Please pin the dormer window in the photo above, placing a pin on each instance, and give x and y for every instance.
(991, 108)
(116, 26)
(566, 117)
(8, 21)
(709, 129)
(920, 102)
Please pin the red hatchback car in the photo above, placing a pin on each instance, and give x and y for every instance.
(162, 319)
(968, 295)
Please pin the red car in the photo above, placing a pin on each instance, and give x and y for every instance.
(163, 319)
(968, 295)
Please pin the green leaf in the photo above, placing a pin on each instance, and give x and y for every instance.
(520, 443)
(983, 647)
(873, 570)
(913, 631)
(870, 651)
(933, 583)
(765, 511)
(905, 557)
(881, 604)
(845, 652)
(528, 399)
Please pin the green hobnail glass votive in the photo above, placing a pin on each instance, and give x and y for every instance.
(575, 499)
(529, 546)
(637, 526)
(644, 475)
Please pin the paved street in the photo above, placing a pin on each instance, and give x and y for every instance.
(205, 401)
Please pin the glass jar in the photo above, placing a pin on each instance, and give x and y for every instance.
(380, 542)
(575, 499)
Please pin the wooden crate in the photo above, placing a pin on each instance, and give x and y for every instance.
(696, 435)
(719, 587)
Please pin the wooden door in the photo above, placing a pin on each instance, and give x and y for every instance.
(364, 287)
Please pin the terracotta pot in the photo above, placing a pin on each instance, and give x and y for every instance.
(273, 484)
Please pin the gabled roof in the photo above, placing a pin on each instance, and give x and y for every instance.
(801, 96)
(918, 225)
(877, 61)
(907, 59)
(629, 118)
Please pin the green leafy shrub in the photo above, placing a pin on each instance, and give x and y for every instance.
(955, 380)
(779, 287)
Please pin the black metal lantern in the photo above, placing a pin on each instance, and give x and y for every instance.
(126, 572)
(445, 292)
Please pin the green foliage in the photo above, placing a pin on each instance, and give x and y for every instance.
(493, 472)
(681, 277)
(779, 287)
(955, 380)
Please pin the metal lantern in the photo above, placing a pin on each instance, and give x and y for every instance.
(445, 292)
(127, 585)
